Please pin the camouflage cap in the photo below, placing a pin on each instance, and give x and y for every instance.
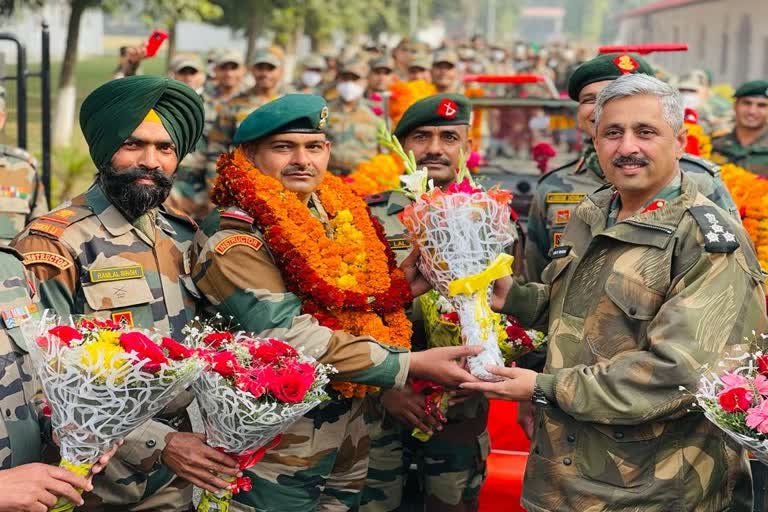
(187, 61)
(355, 67)
(292, 113)
(752, 88)
(609, 66)
(436, 110)
(382, 62)
(229, 57)
(267, 57)
(314, 61)
(420, 60)
(446, 56)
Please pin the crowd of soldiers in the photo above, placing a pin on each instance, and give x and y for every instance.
(637, 252)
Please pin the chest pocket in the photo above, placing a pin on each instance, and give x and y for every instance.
(13, 216)
(127, 299)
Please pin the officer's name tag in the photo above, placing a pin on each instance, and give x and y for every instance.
(398, 243)
(102, 275)
(564, 198)
(560, 252)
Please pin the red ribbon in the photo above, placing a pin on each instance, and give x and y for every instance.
(248, 459)
(433, 394)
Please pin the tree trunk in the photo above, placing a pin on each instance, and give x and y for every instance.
(171, 44)
(251, 33)
(66, 97)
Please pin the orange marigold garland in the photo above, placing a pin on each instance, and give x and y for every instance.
(750, 193)
(379, 174)
(404, 94)
(349, 282)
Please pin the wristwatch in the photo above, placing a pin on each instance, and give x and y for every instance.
(538, 398)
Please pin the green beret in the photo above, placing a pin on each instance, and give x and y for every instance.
(112, 112)
(437, 110)
(752, 88)
(292, 113)
(609, 66)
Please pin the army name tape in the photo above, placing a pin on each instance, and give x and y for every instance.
(47, 258)
(101, 275)
(235, 240)
(565, 197)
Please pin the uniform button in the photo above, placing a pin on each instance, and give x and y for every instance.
(618, 435)
(633, 310)
(571, 438)
(567, 461)
(151, 443)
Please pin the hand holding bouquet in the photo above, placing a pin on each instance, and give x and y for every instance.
(101, 382)
(251, 391)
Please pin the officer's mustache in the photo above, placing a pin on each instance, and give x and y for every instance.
(298, 169)
(629, 160)
(131, 198)
(433, 159)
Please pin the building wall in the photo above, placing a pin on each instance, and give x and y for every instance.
(727, 37)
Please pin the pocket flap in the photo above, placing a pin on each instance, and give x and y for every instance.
(117, 294)
(634, 298)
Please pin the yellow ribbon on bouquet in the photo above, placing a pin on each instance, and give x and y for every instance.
(63, 504)
(500, 267)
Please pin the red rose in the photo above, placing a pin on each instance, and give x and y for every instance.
(65, 334)
(215, 339)
(451, 317)
(144, 348)
(176, 350)
(225, 364)
(515, 333)
(735, 399)
(762, 364)
(290, 384)
(255, 381)
(271, 350)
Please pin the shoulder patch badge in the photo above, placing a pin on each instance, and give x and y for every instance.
(123, 318)
(40, 227)
(556, 237)
(717, 237)
(562, 216)
(47, 258)
(234, 240)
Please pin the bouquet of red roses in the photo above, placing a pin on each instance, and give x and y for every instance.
(101, 382)
(251, 391)
(737, 402)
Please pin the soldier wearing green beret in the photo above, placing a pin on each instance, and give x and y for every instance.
(561, 190)
(453, 460)
(321, 462)
(352, 124)
(747, 144)
(22, 196)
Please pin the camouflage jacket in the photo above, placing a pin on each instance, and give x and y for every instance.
(235, 272)
(635, 313)
(21, 400)
(22, 197)
(91, 260)
(560, 191)
(728, 149)
(353, 135)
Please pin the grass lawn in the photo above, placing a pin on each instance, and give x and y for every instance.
(72, 168)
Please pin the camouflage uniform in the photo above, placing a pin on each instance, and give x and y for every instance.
(20, 426)
(728, 149)
(353, 135)
(91, 260)
(322, 460)
(560, 191)
(22, 197)
(635, 311)
(452, 461)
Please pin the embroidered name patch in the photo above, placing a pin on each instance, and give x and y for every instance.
(233, 240)
(398, 243)
(564, 197)
(102, 275)
(47, 258)
(559, 252)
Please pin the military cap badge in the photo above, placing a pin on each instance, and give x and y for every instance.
(323, 118)
(447, 108)
(626, 63)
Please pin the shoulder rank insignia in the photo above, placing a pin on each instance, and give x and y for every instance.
(717, 237)
(565, 197)
(47, 258)
(234, 240)
(53, 224)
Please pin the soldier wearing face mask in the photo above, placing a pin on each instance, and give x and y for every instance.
(352, 124)
(310, 81)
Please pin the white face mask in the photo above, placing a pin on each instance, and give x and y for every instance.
(350, 91)
(498, 55)
(311, 78)
(691, 100)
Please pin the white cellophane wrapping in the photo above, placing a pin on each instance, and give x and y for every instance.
(93, 406)
(460, 235)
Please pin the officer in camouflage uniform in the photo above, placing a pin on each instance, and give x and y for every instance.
(310, 81)
(321, 462)
(559, 192)
(268, 72)
(22, 196)
(747, 144)
(652, 284)
(453, 461)
(352, 125)
(115, 252)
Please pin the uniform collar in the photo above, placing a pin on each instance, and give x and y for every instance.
(112, 219)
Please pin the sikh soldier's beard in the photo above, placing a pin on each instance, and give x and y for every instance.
(131, 198)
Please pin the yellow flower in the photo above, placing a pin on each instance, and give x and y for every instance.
(103, 354)
(111, 337)
(347, 282)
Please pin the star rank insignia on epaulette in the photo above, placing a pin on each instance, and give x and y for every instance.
(717, 238)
